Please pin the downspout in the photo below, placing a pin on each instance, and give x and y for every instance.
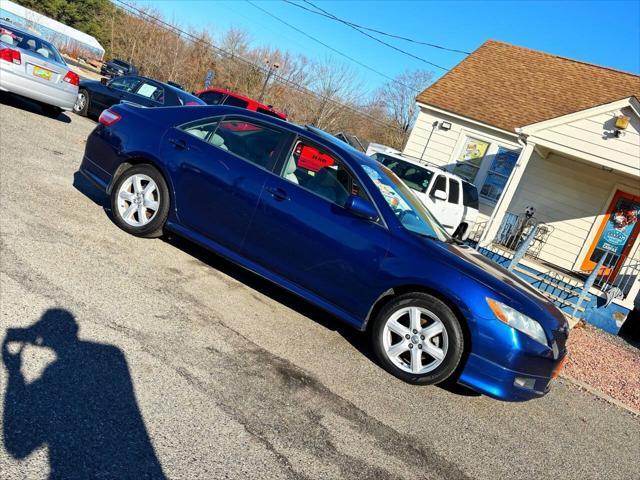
(433, 127)
(522, 141)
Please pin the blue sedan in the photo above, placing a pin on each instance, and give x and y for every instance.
(308, 212)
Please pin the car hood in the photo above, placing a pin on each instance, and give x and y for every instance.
(521, 294)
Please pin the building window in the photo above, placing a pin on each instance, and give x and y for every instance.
(503, 163)
(470, 159)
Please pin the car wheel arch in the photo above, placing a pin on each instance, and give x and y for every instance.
(456, 305)
(139, 160)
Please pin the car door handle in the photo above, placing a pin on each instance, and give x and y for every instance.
(278, 193)
(179, 144)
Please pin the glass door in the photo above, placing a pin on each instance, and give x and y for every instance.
(616, 234)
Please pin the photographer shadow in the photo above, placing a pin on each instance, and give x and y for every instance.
(83, 406)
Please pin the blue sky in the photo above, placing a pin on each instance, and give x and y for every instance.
(605, 33)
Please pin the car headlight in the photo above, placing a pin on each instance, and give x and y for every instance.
(518, 320)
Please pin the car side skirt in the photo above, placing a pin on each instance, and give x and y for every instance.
(266, 274)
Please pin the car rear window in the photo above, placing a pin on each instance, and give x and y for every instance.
(414, 176)
(236, 102)
(212, 98)
(469, 195)
(268, 112)
(29, 43)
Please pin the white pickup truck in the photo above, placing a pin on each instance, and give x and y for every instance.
(452, 200)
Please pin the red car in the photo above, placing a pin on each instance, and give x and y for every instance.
(218, 96)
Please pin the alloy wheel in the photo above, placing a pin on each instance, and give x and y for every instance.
(81, 101)
(415, 340)
(138, 200)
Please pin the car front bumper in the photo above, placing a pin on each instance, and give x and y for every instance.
(506, 364)
(63, 96)
(502, 383)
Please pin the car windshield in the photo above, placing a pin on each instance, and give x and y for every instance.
(413, 215)
(413, 175)
(121, 63)
(30, 43)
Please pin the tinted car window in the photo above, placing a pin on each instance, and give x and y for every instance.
(236, 102)
(126, 84)
(416, 177)
(122, 63)
(212, 98)
(440, 184)
(205, 130)
(469, 195)
(267, 112)
(454, 190)
(152, 91)
(320, 172)
(251, 141)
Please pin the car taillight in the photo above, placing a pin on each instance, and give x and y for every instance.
(72, 78)
(192, 104)
(108, 118)
(10, 55)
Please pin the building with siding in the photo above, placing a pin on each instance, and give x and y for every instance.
(551, 143)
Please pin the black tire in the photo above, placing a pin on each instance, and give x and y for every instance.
(454, 339)
(84, 110)
(460, 231)
(51, 111)
(157, 218)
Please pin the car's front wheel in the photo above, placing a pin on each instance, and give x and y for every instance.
(140, 201)
(417, 338)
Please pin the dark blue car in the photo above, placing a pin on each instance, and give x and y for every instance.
(315, 216)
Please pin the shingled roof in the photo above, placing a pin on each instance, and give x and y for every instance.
(509, 87)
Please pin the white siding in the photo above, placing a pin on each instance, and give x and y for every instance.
(594, 136)
(570, 196)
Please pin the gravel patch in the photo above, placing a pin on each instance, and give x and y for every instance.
(604, 363)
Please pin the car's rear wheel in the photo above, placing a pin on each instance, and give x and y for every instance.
(51, 110)
(140, 201)
(417, 338)
(81, 106)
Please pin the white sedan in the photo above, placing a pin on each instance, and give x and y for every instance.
(33, 68)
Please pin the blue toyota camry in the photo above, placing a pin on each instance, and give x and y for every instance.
(306, 211)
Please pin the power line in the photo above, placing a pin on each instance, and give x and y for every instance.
(182, 33)
(380, 32)
(323, 44)
(358, 29)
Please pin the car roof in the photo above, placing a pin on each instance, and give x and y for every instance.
(432, 168)
(12, 26)
(241, 97)
(164, 84)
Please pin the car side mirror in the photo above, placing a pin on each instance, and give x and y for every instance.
(104, 81)
(439, 195)
(361, 208)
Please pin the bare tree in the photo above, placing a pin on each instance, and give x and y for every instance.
(398, 97)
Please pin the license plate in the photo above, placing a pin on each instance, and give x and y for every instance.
(42, 73)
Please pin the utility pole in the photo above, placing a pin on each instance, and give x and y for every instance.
(273, 66)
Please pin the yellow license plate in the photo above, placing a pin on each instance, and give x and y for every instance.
(42, 73)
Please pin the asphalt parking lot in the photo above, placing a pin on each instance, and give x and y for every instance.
(188, 367)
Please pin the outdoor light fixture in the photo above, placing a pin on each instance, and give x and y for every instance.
(622, 122)
(445, 126)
